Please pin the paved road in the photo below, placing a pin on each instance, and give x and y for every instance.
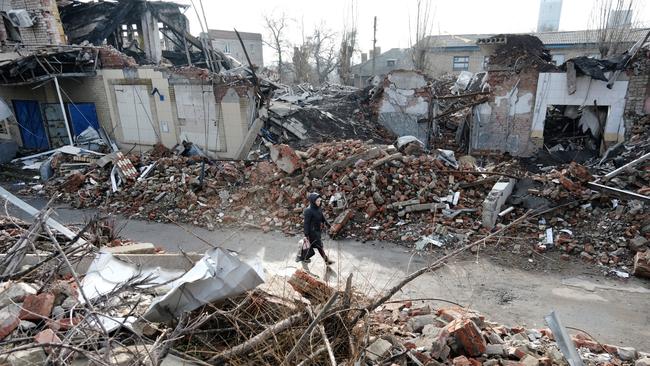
(613, 311)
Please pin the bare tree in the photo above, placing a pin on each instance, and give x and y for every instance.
(613, 22)
(323, 52)
(421, 43)
(348, 45)
(277, 27)
(301, 67)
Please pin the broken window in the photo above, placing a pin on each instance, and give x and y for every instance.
(461, 63)
(390, 63)
(571, 128)
(558, 59)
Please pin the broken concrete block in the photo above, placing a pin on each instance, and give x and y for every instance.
(495, 200)
(529, 360)
(642, 264)
(29, 357)
(137, 248)
(642, 362)
(37, 307)
(15, 292)
(626, 353)
(7, 325)
(417, 323)
(495, 350)
(340, 222)
(285, 158)
(25, 325)
(378, 349)
(468, 335)
(638, 243)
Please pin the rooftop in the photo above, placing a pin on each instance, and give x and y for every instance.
(548, 38)
(225, 34)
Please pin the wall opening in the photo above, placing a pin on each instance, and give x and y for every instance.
(574, 131)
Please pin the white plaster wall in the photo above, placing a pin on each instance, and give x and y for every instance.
(552, 90)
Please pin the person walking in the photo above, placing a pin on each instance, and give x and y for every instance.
(314, 223)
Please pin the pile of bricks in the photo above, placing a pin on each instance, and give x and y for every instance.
(374, 192)
(462, 337)
(111, 58)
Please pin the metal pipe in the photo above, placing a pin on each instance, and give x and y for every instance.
(65, 116)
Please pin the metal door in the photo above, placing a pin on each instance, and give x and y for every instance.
(32, 131)
(134, 110)
(55, 122)
(82, 116)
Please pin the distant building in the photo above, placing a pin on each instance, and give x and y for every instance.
(620, 18)
(548, 19)
(456, 53)
(228, 43)
(393, 59)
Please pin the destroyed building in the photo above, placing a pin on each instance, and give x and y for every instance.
(535, 106)
(133, 73)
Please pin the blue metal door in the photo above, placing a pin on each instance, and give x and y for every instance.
(82, 116)
(32, 131)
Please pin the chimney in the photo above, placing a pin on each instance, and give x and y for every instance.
(364, 57)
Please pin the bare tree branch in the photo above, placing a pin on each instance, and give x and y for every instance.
(277, 27)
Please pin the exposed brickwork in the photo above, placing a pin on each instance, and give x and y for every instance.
(47, 27)
(504, 132)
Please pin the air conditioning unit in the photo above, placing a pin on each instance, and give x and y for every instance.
(20, 18)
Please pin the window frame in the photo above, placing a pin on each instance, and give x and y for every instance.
(456, 60)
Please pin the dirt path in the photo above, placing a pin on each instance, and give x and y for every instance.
(614, 311)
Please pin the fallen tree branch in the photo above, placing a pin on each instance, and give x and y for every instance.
(386, 159)
(258, 339)
(311, 357)
(311, 327)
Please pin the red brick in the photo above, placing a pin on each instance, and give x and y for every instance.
(37, 307)
(547, 332)
(285, 158)
(468, 335)
(371, 210)
(8, 325)
(63, 324)
(461, 361)
(590, 345)
(517, 352)
(453, 313)
(45, 337)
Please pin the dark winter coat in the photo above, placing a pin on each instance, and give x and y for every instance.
(314, 219)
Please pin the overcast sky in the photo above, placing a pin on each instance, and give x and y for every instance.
(393, 17)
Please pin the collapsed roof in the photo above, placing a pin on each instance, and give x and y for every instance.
(119, 24)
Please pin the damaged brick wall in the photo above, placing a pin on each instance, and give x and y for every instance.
(404, 104)
(638, 90)
(504, 122)
(47, 28)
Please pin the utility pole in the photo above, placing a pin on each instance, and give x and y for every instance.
(374, 45)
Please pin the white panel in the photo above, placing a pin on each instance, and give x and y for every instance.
(136, 119)
(552, 90)
(196, 105)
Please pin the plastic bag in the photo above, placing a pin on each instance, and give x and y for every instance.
(304, 244)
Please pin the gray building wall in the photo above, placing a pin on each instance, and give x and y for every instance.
(228, 43)
(393, 59)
